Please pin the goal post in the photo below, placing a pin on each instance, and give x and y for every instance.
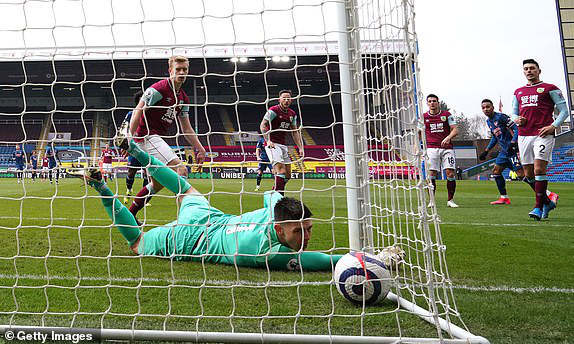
(352, 66)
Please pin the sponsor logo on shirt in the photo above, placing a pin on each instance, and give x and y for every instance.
(527, 101)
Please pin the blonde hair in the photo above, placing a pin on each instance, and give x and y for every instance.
(177, 58)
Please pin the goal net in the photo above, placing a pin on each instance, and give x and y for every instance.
(69, 72)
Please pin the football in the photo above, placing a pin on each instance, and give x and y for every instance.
(362, 278)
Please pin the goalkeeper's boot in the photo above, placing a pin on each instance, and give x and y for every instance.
(501, 200)
(547, 208)
(554, 198)
(91, 175)
(122, 139)
(536, 214)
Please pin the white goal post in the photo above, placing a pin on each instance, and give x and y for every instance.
(353, 68)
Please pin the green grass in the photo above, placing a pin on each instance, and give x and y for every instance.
(64, 257)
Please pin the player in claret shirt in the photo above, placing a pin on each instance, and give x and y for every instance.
(107, 167)
(532, 110)
(505, 134)
(279, 120)
(158, 108)
(440, 130)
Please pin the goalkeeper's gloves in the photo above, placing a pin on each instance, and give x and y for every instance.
(512, 149)
(483, 155)
(392, 256)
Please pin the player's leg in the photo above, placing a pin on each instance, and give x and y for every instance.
(433, 167)
(158, 148)
(259, 175)
(449, 164)
(543, 147)
(124, 221)
(159, 171)
(276, 157)
(500, 183)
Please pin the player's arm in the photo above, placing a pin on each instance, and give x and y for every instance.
(258, 153)
(519, 120)
(264, 127)
(560, 103)
(308, 261)
(491, 145)
(453, 131)
(150, 97)
(191, 136)
(296, 134)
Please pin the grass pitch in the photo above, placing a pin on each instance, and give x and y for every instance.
(513, 277)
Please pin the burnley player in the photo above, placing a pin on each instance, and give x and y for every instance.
(159, 106)
(19, 158)
(440, 130)
(532, 110)
(107, 167)
(505, 134)
(278, 120)
(263, 159)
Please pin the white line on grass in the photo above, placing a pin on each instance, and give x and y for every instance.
(230, 283)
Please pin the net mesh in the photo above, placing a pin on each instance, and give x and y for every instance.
(69, 72)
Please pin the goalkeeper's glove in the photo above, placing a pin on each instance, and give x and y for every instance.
(392, 256)
(483, 155)
(512, 149)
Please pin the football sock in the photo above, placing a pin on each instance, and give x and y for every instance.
(158, 170)
(120, 215)
(531, 183)
(500, 184)
(541, 185)
(280, 183)
(130, 181)
(450, 187)
(142, 198)
(259, 176)
(433, 182)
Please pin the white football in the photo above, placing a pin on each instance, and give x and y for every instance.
(362, 278)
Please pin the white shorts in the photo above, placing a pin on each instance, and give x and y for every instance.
(279, 154)
(535, 147)
(441, 157)
(107, 167)
(158, 148)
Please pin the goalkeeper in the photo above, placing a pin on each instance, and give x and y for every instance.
(505, 133)
(273, 236)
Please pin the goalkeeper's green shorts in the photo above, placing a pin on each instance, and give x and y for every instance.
(195, 216)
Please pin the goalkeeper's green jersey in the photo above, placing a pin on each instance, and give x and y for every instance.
(205, 233)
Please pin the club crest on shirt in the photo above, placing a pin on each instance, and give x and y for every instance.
(443, 118)
(540, 89)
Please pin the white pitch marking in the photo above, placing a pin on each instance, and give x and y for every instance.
(230, 283)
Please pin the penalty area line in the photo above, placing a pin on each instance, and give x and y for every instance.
(231, 283)
(534, 224)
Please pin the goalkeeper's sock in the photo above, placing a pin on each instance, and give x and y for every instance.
(500, 184)
(541, 185)
(279, 183)
(451, 187)
(158, 170)
(120, 215)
